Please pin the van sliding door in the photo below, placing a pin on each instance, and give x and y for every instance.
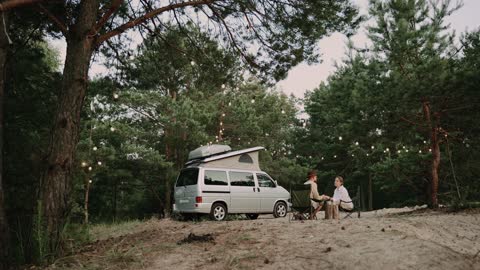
(243, 193)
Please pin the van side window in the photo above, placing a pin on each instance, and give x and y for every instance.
(242, 179)
(265, 181)
(188, 177)
(218, 178)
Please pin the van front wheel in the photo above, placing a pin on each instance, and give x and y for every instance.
(280, 210)
(218, 212)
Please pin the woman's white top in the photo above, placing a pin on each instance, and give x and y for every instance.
(341, 194)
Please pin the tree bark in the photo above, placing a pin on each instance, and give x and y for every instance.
(56, 179)
(4, 232)
(435, 146)
(370, 192)
(85, 205)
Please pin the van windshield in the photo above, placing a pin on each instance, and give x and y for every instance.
(188, 177)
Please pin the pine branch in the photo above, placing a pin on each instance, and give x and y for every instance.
(113, 8)
(61, 25)
(122, 28)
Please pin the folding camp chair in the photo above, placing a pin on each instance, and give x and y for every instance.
(356, 205)
(301, 205)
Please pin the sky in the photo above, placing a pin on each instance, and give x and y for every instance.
(333, 48)
(306, 77)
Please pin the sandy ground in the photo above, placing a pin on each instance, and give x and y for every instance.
(385, 239)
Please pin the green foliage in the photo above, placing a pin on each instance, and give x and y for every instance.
(367, 123)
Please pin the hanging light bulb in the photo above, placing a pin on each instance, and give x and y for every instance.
(425, 142)
(94, 148)
(99, 163)
(399, 151)
(266, 134)
(368, 154)
(388, 149)
(356, 143)
(419, 151)
(216, 136)
(373, 147)
(353, 155)
(406, 150)
(310, 157)
(340, 138)
(90, 181)
(322, 158)
(283, 111)
(115, 96)
(192, 63)
(90, 168)
(335, 156)
(112, 129)
(223, 86)
(84, 164)
(430, 150)
(403, 147)
(221, 123)
(253, 100)
(223, 114)
(229, 103)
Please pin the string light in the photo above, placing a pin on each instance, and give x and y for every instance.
(388, 149)
(430, 150)
(99, 163)
(335, 156)
(253, 100)
(112, 129)
(192, 63)
(399, 151)
(340, 138)
(356, 143)
(90, 181)
(373, 147)
(229, 103)
(223, 86)
(283, 111)
(322, 158)
(419, 151)
(115, 96)
(90, 168)
(221, 123)
(425, 142)
(223, 114)
(406, 150)
(368, 154)
(84, 164)
(353, 155)
(94, 148)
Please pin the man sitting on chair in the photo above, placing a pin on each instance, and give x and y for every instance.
(316, 199)
(341, 197)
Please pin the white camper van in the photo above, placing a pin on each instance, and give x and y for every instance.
(217, 181)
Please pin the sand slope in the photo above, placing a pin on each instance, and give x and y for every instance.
(386, 239)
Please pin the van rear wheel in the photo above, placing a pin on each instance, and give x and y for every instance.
(280, 209)
(218, 212)
(252, 216)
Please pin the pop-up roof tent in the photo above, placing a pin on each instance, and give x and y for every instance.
(222, 156)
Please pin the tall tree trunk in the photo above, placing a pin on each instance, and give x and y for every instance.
(56, 179)
(85, 204)
(435, 146)
(4, 232)
(370, 192)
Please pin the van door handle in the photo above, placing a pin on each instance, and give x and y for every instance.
(258, 189)
(253, 189)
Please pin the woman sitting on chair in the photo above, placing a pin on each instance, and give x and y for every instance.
(340, 196)
(317, 199)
